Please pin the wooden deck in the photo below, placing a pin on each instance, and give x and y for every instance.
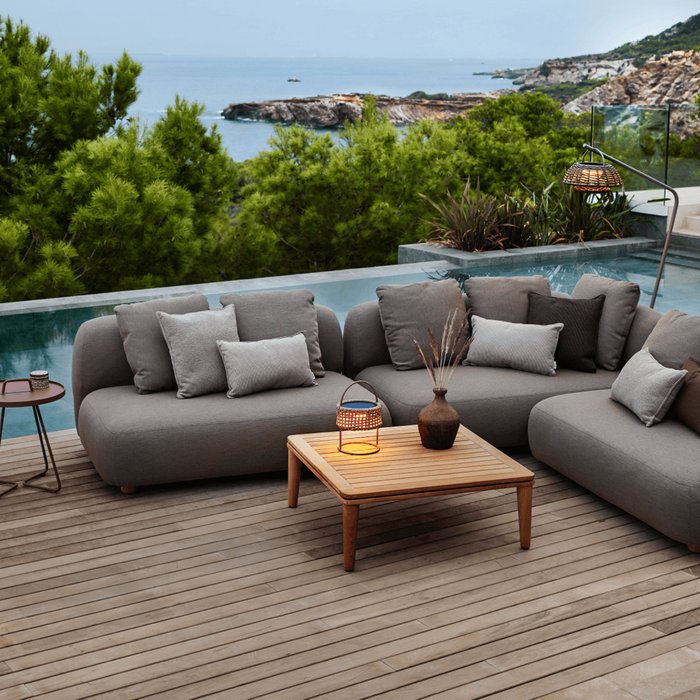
(218, 590)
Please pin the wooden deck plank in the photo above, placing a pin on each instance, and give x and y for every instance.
(217, 589)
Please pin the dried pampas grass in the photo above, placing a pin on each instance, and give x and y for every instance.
(441, 360)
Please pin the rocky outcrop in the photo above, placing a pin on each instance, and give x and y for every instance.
(673, 79)
(326, 111)
(576, 70)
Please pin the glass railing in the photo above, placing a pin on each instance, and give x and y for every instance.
(656, 140)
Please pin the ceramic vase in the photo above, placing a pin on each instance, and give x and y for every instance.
(438, 423)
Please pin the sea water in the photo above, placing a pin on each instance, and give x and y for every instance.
(217, 82)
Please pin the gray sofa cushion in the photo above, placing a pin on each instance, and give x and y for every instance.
(675, 338)
(144, 344)
(618, 312)
(127, 434)
(407, 309)
(503, 298)
(277, 314)
(646, 387)
(602, 446)
(687, 407)
(191, 340)
(494, 402)
(526, 346)
(262, 365)
(578, 339)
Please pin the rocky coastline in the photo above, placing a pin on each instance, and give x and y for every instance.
(329, 111)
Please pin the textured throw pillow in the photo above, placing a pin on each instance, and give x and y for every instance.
(577, 340)
(191, 339)
(688, 401)
(528, 347)
(275, 363)
(264, 315)
(646, 387)
(620, 305)
(144, 344)
(407, 310)
(503, 298)
(675, 338)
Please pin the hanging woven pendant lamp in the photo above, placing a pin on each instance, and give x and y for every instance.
(592, 177)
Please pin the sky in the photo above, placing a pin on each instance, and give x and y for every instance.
(362, 28)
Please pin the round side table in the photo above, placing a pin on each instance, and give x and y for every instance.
(34, 398)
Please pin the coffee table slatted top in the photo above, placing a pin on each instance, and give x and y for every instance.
(404, 466)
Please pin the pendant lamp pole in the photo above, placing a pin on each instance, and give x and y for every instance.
(663, 185)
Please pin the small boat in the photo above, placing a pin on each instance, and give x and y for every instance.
(293, 80)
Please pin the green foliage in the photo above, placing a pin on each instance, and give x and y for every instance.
(420, 95)
(552, 214)
(565, 92)
(48, 103)
(476, 222)
(316, 206)
(511, 141)
(683, 36)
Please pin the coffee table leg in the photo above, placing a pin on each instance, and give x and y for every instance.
(525, 514)
(351, 515)
(293, 477)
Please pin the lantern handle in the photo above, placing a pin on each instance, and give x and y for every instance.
(360, 381)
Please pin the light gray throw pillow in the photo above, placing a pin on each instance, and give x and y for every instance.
(191, 339)
(621, 299)
(675, 338)
(278, 313)
(525, 346)
(504, 298)
(407, 310)
(646, 387)
(144, 345)
(275, 363)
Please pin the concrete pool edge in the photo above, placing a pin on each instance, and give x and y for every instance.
(211, 288)
(572, 252)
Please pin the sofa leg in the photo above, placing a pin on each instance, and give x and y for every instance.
(694, 547)
(128, 489)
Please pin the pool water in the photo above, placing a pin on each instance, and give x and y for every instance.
(44, 339)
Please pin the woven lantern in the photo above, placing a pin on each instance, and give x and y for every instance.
(359, 415)
(592, 177)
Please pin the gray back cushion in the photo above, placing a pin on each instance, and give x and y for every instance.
(191, 339)
(277, 314)
(144, 344)
(675, 339)
(408, 309)
(618, 313)
(503, 298)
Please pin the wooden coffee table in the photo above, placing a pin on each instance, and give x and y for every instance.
(404, 469)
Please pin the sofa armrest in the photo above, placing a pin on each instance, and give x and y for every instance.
(98, 359)
(363, 336)
(642, 324)
(330, 339)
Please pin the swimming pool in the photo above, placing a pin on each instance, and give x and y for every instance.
(43, 338)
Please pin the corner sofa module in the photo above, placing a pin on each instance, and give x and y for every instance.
(138, 439)
(494, 402)
(651, 473)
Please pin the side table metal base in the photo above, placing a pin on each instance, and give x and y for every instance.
(43, 439)
(45, 446)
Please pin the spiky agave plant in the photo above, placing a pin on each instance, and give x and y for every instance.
(441, 360)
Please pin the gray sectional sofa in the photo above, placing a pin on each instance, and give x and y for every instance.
(568, 419)
(135, 439)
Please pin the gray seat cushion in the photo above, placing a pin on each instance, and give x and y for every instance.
(494, 402)
(127, 434)
(652, 473)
